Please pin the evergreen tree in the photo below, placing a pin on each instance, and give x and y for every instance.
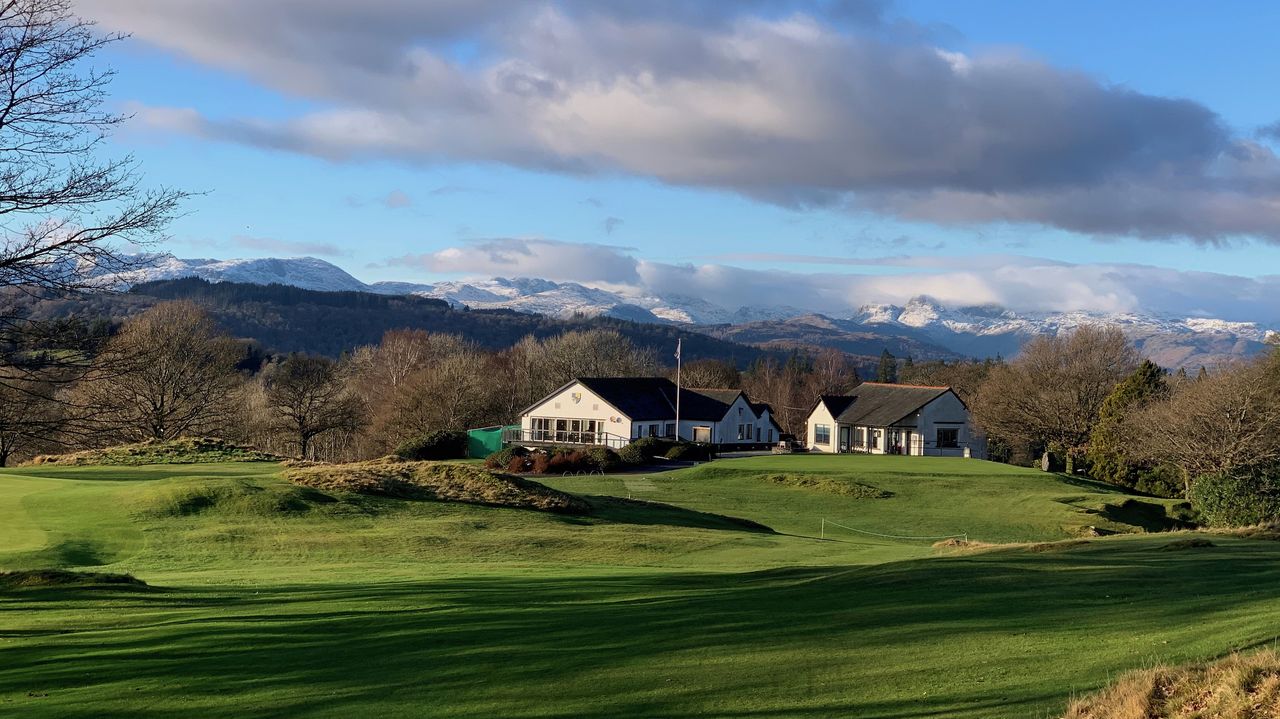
(1108, 441)
(887, 371)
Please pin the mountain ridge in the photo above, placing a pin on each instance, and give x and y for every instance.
(922, 327)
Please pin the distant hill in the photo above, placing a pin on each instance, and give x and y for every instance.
(291, 319)
(921, 328)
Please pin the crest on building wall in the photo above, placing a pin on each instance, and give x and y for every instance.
(576, 397)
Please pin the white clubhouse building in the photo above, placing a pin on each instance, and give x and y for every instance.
(615, 411)
(894, 419)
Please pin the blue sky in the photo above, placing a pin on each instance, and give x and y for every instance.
(253, 129)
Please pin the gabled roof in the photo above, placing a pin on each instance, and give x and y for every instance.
(879, 405)
(707, 404)
(636, 397)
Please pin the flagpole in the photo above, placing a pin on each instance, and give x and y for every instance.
(678, 389)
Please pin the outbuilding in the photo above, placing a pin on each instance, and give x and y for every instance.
(879, 418)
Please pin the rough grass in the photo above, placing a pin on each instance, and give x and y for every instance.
(842, 486)
(192, 495)
(1238, 687)
(435, 481)
(36, 578)
(188, 450)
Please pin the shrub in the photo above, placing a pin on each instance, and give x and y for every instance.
(517, 464)
(603, 459)
(632, 455)
(502, 458)
(653, 446)
(689, 452)
(541, 462)
(440, 444)
(1238, 499)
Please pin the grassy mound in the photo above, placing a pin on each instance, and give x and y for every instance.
(193, 450)
(829, 484)
(434, 481)
(37, 578)
(1238, 687)
(189, 496)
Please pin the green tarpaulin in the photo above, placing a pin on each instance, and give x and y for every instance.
(485, 441)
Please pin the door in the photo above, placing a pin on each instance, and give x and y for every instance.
(844, 438)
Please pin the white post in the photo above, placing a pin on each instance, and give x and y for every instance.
(678, 341)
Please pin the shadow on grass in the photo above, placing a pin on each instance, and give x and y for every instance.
(635, 511)
(979, 636)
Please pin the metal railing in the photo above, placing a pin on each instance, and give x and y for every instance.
(553, 436)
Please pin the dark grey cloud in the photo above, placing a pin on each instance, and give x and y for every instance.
(796, 103)
(1270, 131)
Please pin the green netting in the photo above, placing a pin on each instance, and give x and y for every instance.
(485, 441)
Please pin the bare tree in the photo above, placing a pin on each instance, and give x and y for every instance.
(1225, 422)
(308, 397)
(709, 373)
(30, 417)
(64, 211)
(1052, 393)
(172, 373)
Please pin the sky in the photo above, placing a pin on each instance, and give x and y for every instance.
(1054, 155)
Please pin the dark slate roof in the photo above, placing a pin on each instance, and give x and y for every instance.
(636, 397)
(706, 404)
(649, 398)
(879, 405)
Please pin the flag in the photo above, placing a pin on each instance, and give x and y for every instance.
(678, 341)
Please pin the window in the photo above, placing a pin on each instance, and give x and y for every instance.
(757, 435)
(859, 437)
(671, 429)
(569, 431)
(948, 438)
(653, 430)
(702, 434)
(821, 434)
(873, 439)
(771, 435)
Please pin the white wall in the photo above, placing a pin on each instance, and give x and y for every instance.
(948, 411)
(562, 405)
(821, 415)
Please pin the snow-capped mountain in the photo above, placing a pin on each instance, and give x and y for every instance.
(309, 273)
(986, 330)
(976, 331)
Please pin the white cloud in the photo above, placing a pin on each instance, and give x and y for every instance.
(289, 247)
(1015, 282)
(519, 257)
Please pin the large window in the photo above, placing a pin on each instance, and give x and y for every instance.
(822, 434)
(873, 439)
(671, 430)
(949, 438)
(568, 431)
(744, 432)
(859, 437)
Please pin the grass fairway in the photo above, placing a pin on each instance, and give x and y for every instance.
(269, 600)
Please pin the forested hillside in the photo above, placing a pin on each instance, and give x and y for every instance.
(289, 319)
